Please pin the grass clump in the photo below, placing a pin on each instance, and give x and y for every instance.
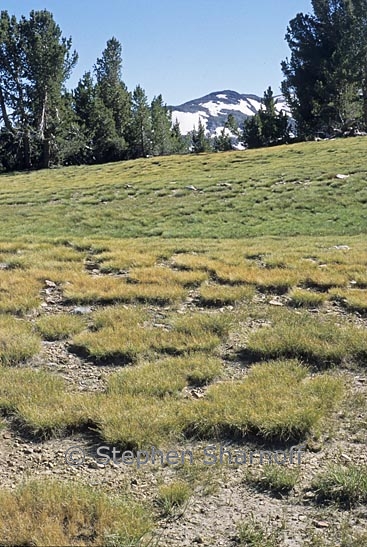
(84, 289)
(346, 486)
(173, 496)
(222, 295)
(354, 300)
(17, 341)
(60, 327)
(318, 341)
(19, 292)
(124, 334)
(278, 479)
(168, 376)
(302, 298)
(119, 335)
(276, 400)
(164, 276)
(41, 404)
(253, 534)
(51, 513)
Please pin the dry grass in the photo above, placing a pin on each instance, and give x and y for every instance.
(48, 513)
(319, 341)
(17, 341)
(276, 400)
(168, 376)
(84, 289)
(41, 404)
(19, 292)
(302, 298)
(222, 295)
(60, 326)
(354, 300)
(164, 276)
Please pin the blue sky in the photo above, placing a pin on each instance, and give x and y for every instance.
(181, 48)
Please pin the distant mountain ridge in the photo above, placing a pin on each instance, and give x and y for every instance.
(214, 108)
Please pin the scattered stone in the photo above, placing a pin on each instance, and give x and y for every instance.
(82, 310)
(4, 266)
(191, 187)
(50, 284)
(342, 177)
(341, 247)
(275, 303)
(320, 524)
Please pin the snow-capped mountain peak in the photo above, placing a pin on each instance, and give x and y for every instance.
(213, 110)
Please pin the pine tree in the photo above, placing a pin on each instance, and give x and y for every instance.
(161, 127)
(35, 62)
(140, 130)
(223, 141)
(110, 87)
(268, 126)
(326, 71)
(199, 141)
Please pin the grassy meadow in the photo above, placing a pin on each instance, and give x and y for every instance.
(229, 312)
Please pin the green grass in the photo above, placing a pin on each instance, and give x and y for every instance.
(173, 496)
(60, 327)
(346, 486)
(252, 534)
(18, 342)
(277, 479)
(320, 341)
(276, 400)
(71, 202)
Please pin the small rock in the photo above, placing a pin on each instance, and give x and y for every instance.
(321, 524)
(346, 457)
(275, 303)
(342, 247)
(50, 284)
(82, 310)
(302, 518)
(191, 187)
(342, 177)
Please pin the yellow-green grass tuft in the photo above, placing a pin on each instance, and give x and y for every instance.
(60, 326)
(41, 404)
(275, 400)
(52, 513)
(354, 300)
(161, 275)
(19, 292)
(18, 342)
(173, 496)
(167, 376)
(222, 295)
(302, 298)
(319, 341)
(124, 334)
(278, 479)
(84, 289)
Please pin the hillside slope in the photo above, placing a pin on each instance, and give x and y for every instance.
(286, 190)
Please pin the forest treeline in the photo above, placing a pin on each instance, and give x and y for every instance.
(42, 123)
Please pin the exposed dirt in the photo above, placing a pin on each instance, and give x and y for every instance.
(221, 498)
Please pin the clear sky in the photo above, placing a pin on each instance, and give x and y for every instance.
(183, 49)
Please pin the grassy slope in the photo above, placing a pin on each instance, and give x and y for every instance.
(287, 190)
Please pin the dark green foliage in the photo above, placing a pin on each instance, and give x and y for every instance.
(267, 127)
(199, 141)
(35, 62)
(325, 78)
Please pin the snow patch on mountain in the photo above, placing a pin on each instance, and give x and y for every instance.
(213, 110)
